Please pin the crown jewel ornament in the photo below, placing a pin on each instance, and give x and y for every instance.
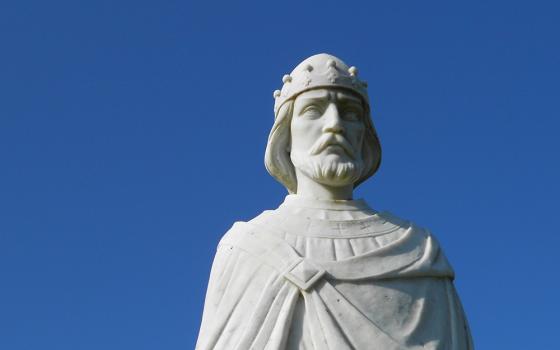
(319, 71)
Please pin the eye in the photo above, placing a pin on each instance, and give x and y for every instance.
(352, 114)
(311, 111)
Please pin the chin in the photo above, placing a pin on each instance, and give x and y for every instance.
(334, 181)
(332, 170)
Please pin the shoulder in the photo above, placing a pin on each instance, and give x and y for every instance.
(240, 227)
(243, 230)
(403, 223)
(237, 230)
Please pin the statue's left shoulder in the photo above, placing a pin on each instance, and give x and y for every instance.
(404, 224)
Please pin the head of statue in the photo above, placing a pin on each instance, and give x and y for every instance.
(322, 126)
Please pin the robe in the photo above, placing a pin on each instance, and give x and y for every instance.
(288, 280)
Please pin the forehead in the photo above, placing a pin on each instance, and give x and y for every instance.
(332, 94)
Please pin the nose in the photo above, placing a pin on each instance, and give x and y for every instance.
(333, 122)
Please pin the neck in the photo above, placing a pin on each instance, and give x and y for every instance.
(307, 187)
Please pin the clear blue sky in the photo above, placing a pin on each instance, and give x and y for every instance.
(132, 136)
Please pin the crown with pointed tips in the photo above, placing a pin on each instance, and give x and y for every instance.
(319, 71)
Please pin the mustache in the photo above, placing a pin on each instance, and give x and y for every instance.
(332, 140)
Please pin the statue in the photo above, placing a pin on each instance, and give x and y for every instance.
(324, 271)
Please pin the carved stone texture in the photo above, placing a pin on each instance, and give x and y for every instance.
(324, 271)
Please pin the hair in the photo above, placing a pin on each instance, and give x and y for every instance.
(277, 156)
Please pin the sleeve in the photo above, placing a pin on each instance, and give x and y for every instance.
(236, 285)
(217, 284)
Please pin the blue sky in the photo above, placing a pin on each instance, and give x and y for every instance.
(132, 136)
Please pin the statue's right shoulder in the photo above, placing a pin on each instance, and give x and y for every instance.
(264, 218)
(238, 228)
(262, 224)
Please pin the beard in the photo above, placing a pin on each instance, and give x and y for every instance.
(328, 170)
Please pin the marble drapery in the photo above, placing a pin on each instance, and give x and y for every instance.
(303, 277)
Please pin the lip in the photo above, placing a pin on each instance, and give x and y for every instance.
(335, 145)
(332, 143)
(335, 148)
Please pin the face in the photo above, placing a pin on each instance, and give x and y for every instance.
(327, 133)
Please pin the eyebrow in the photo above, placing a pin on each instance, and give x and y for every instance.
(317, 96)
(344, 97)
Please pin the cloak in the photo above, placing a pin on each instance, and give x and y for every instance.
(285, 281)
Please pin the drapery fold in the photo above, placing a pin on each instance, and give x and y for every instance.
(251, 304)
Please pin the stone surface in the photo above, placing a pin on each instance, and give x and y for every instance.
(324, 271)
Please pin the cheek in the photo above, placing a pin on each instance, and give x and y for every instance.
(356, 135)
(296, 131)
(303, 133)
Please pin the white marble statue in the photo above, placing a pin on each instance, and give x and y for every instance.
(324, 271)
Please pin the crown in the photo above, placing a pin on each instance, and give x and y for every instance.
(319, 71)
